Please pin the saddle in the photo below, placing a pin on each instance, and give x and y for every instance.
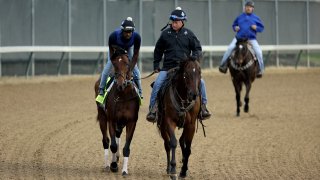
(109, 84)
(160, 97)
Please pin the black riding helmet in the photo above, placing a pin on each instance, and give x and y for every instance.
(127, 25)
(249, 3)
(178, 15)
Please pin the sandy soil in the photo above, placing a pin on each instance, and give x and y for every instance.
(49, 131)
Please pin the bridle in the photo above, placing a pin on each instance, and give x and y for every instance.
(182, 106)
(124, 75)
(239, 67)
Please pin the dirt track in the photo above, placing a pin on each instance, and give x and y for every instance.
(48, 131)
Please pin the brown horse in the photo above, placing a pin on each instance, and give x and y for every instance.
(243, 68)
(122, 107)
(179, 106)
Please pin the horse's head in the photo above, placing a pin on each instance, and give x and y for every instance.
(241, 52)
(190, 76)
(120, 61)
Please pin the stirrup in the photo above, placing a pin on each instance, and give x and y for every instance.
(223, 69)
(204, 114)
(152, 115)
(140, 100)
(151, 119)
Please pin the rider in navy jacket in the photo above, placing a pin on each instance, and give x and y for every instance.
(129, 40)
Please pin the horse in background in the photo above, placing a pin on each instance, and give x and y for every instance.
(179, 106)
(122, 106)
(243, 68)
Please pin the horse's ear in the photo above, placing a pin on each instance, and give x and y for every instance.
(114, 47)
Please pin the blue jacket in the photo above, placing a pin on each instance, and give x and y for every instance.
(244, 21)
(116, 39)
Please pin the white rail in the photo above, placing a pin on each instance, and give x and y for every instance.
(149, 49)
(144, 49)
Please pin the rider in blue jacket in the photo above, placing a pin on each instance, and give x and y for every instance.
(129, 40)
(246, 26)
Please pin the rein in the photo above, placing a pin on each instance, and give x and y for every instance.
(181, 110)
(241, 68)
(148, 75)
(250, 63)
(170, 70)
(127, 83)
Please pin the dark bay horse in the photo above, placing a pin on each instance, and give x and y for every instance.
(243, 68)
(179, 106)
(122, 107)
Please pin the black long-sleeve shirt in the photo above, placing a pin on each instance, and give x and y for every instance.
(176, 47)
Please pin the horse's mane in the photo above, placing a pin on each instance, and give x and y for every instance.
(183, 63)
(173, 79)
(118, 51)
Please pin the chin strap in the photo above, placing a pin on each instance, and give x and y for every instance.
(165, 26)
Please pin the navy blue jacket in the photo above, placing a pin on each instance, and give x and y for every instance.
(116, 38)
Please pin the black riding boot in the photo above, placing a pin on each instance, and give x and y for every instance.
(224, 67)
(151, 116)
(205, 114)
(101, 91)
(259, 74)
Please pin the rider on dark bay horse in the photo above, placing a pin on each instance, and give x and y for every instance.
(175, 43)
(129, 40)
(246, 26)
(122, 108)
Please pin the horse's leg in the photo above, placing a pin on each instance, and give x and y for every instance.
(182, 143)
(166, 142)
(246, 98)
(166, 134)
(237, 88)
(167, 147)
(173, 146)
(105, 140)
(126, 149)
(185, 144)
(113, 147)
(118, 140)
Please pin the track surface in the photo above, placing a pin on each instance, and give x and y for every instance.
(48, 131)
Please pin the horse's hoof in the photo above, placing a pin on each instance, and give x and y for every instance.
(246, 109)
(114, 167)
(173, 176)
(107, 168)
(124, 173)
(183, 174)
